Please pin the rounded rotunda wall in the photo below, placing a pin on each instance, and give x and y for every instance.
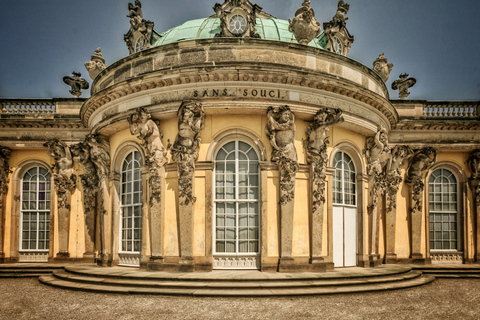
(240, 75)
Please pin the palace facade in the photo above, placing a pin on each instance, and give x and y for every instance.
(239, 141)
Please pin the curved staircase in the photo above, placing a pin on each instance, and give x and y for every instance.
(234, 283)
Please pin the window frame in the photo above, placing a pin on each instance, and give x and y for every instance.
(459, 225)
(139, 205)
(355, 184)
(48, 195)
(236, 200)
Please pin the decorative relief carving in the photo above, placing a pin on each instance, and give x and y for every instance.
(138, 37)
(339, 39)
(304, 26)
(280, 130)
(393, 174)
(382, 67)
(148, 131)
(403, 84)
(421, 160)
(474, 164)
(65, 180)
(191, 120)
(4, 169)
(446, 257)
(96, 64)
(76, 83)
(89, 178)
(238, 18)
(316, 149)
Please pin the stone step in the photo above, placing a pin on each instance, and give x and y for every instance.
(213, 283)
(23, 275)
(258, 291)
(231, 276)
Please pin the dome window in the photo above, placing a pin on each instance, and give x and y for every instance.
(237, 24)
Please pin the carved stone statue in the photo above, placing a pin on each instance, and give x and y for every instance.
(474, 163)
(96, 65)
(421, 160)
(403, 84)
(135, 10)
(4, 170)
(318, 130)
(138, 37)
(393, 174)
(148, 131)
(78, 84)
(377, 152)
(191, 120)
(339, 40)
(316, 148)
(382, 67)
(280, 130)
(136, 16)
(304, 26)
(65, 180)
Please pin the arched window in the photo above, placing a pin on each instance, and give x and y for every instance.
(237, 205)
(344, 188)
(131, 209)
(443, 210)
(35, 210)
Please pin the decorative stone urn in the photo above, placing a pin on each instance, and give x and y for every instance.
(304, 26)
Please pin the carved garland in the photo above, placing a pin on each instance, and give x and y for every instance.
(4, 169)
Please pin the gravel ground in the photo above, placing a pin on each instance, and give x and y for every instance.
(443, 299)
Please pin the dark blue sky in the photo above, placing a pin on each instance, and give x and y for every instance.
(435, 41)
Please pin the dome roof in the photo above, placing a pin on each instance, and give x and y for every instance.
(268, 28)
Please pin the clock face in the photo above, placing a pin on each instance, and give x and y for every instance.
(337, 46)
(237, 24)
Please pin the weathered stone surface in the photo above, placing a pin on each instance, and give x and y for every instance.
(96, 64)
(304, 26)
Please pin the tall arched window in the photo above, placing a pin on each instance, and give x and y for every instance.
(131, 210)
(237, 206)
(344, 191)
(344, 211)
(35, 211)
(443, 207)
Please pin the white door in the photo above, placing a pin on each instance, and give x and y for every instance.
(344, 212)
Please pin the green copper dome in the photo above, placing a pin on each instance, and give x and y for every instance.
(268, 28)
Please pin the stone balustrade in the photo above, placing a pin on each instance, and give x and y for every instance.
(437, 110)
(41, 108)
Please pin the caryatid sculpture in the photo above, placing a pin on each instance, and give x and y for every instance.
(191, 120)
(382, 67)
(151, 137)
(4, 171)
(403, 84)
(421, 160)
(393, 174)
(474, 163)
(65, 180)
(65, 183)
(280, 130)
(304, 26)
(316, 148)
(96, 64)
(76, 83)
(377, 152)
